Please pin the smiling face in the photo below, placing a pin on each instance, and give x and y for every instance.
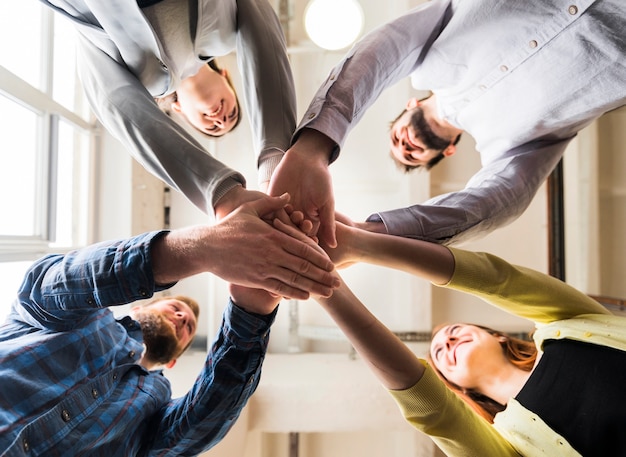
(464, 353)
(417, 136)
(208, 102)
(168, 326)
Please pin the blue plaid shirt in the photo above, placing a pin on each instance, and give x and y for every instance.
(69, 374)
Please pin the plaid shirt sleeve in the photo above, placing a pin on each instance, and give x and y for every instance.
(60, 290)
(197, 421)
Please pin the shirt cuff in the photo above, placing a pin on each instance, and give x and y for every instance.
(247, 327)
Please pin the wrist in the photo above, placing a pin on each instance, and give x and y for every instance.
(316, 146)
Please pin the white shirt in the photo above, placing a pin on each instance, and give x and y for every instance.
(520, 77)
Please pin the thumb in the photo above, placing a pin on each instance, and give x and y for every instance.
(327, 227)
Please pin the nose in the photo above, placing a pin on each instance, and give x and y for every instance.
(450, 341)
(182, 317)
(220, 122)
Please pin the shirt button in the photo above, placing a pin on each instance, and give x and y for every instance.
(90, 301)
(482, 87)
(114, 376)
(557, 333)
(163, 66)
(533, 44)
(311, 116)
(504, 68)
(65, 415)
(131, 354)
(94, 393)
(26, 445)
(573, 9)
(588, 334)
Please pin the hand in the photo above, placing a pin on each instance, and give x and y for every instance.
(233, 199)
(270, 259)
(256, 301)
(303, 172)
(243, 249)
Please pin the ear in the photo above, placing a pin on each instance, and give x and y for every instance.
(449, 151)
(176, 107)
(412, 103)
(170, 364)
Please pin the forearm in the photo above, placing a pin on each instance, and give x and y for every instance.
(183, 253)
(389, 358)
(426, 260)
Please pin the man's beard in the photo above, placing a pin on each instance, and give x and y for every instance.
(158, 336)
(424, 133)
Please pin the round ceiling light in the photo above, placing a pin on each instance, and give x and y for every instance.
(333, 24)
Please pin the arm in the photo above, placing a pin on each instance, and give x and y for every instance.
(163, 147)
(423, 399)
(200, 419)
(379, 60)
(429, 261)
(268, 85)
(492, 198)
(393, 363)
(519, 290)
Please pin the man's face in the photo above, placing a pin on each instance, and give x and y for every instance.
(416, 138)
(168, 326)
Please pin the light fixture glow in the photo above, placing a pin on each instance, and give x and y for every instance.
(333, 24)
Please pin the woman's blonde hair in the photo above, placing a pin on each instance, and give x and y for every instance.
(520, 352)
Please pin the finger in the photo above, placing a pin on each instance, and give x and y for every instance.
(265, 207)
(299, 287)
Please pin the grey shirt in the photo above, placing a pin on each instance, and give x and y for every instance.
(125, 63)
(521, 77)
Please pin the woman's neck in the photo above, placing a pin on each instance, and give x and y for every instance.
(504, 384)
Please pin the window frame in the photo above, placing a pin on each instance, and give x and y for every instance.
(50, 115)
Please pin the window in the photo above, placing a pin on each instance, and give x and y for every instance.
(47, 136)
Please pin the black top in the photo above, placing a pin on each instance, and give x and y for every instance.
(579, 390)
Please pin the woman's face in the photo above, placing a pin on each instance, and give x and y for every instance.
(464, 353)
(208, 102)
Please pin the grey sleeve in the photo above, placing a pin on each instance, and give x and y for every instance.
(163, 147)
(269, 92)
(379, 60)
(494, 197)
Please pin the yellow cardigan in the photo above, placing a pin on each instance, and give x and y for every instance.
(558, 310)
